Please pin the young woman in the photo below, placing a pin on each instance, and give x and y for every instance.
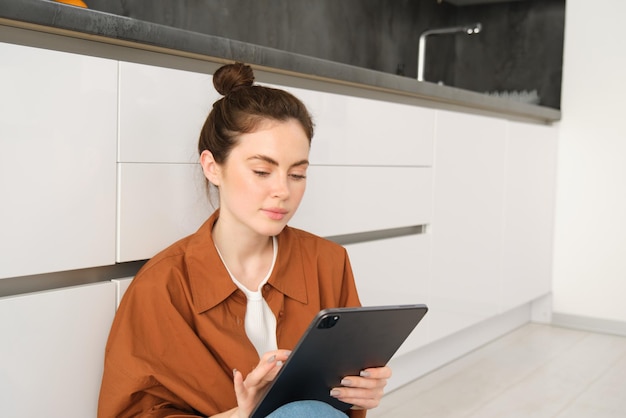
(206, 324)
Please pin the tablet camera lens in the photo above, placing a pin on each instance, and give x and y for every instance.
(328, 321)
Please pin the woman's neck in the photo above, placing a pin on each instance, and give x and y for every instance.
(248, 256)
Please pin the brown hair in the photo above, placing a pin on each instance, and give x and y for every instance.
(243, 107)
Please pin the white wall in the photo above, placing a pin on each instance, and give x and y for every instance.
(590, 236)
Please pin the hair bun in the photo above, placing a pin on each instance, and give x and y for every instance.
(232, 76)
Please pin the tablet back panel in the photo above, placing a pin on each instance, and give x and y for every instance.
(339, 342)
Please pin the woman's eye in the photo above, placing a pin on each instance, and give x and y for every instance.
(298, 176)
(261, 173)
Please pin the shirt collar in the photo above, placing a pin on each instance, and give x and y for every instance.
(210, 282)
(289, 276)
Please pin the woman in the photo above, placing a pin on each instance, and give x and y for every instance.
(207, 323)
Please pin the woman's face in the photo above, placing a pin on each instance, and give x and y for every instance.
(263, 179)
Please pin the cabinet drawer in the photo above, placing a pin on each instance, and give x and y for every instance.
(161, 113)
(358, 131)
(158, 204)
(52, 350)
(394, 271)
(58, 115)
(347, 200)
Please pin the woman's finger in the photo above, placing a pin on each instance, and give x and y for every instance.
(268, 367)
(364, 391)
(359, 397)
(238, 383)
(377, 372)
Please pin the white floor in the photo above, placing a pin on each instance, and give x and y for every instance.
(534, 371)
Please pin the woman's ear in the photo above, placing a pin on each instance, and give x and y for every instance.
(210, 167)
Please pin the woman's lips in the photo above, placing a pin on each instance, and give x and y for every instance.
(275, 214)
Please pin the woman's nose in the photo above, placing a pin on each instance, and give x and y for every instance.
(281, 187)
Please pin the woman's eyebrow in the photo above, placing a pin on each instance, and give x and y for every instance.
(265, 158)
(272, 161)
(299, 163)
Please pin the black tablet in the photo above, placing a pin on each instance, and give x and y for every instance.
(339, 342)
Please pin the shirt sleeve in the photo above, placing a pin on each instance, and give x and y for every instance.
(155, 364)
(349, 293)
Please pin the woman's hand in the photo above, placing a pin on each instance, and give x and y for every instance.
(250, 389)
(364, 391)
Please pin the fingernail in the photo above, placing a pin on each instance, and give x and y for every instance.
(364, 373)
(346, 382)
(279, 363)
(335, 393)
(234, 372)
(271, 359)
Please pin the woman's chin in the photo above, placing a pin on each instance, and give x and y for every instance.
(272, 229)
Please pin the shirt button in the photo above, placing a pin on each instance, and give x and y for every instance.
(281, 313)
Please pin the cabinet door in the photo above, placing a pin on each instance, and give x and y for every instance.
(158, 205)
(52, 350)
(467, 222)
(529, 223)
(58, 117)
(347, 200)
(162, 111)
(359, 131)
(394, 271)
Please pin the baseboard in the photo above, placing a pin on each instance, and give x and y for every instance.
(417, 363)
(585, 323)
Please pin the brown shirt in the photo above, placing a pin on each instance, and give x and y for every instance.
(179, 331)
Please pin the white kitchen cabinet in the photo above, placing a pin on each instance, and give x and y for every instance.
(162, 111)
(360, 131)
(529, 208)
(58, 117)
(158, 205)
(162, 198)
(394, 271)
(346, 200)
(468, 216)
(52, 350)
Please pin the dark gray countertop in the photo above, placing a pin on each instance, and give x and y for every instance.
(42, 14)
